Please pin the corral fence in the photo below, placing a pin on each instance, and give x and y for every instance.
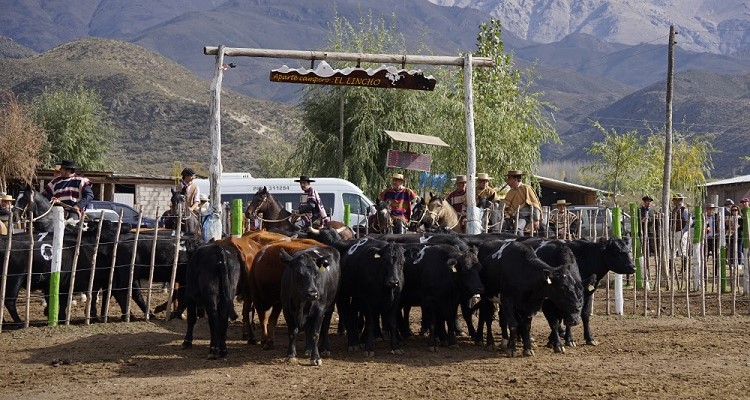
(706, 274)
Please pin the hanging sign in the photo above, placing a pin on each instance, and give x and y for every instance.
(408, 160)
(381, 77)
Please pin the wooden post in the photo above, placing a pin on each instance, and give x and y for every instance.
(74, 269)
(30, 271)
(472, 214)
(617, 233)
(132, 261)
(53, 305)
(216, 168)
(667, 177)
(174, 265)
(90, 288)
(112, 268)
(151, 266)
(6, 263)
(341, 131)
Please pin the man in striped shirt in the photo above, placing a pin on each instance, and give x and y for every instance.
(399, 198)
(69, 189)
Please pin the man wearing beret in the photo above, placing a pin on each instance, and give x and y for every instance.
(69, 189)
(191, 191)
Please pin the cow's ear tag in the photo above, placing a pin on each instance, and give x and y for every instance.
(590, 288)
(322, 269)
(453, 269)
(549, 281)
(376, 255)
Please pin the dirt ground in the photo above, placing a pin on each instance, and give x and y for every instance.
(639, 357)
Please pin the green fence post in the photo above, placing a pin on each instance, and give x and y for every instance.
(347, 214)
(617, 233)
(237, 217)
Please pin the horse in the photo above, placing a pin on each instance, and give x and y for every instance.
(440, 215)
(492, 216)
(31, 202)
(190, 222)
(381, 221)
(276, 217)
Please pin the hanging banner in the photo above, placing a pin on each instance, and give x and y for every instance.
(381, 77)
(408, 160)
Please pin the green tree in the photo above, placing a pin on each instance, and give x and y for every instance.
(22, 142)
(509, 124)
(691, 163)
(617, 163)
(77, 126)
(509, 121)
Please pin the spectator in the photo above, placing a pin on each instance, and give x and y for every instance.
(563, 221)
(205, 208)
(457, 199)
(70, 189)
(680, 221)
(711, 224)
(733, 223)
(400, 199)
(521, 198)
(484, 190)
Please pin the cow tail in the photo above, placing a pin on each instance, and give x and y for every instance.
(225, 293)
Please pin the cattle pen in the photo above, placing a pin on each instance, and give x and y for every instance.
(673, 348)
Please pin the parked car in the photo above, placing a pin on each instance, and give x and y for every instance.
(112, 212)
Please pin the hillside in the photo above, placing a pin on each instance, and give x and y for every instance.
(10, 49)
(704, 104)
(161, 109)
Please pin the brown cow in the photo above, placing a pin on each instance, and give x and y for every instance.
(265, 283)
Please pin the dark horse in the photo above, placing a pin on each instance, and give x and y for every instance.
(274, 216)
(31, 202)
(190, 222)
(381, 221)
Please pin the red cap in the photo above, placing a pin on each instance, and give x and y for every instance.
(745, 200)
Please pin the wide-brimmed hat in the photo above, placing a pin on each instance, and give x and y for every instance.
(728, 202)
(202, 197)
(561, 202)
(460, 178)
(7, 197)
(304, 178)
(647, 198)
(188, 172)
(482, 176)
(710, 205)
(678, 196)
(397, 176)
(515, 172)
(68, 164)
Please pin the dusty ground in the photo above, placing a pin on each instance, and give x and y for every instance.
(639, 357)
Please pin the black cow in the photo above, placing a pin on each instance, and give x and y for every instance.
(514, 271)
(163, 263)
(42, 261)
(211, 281)
(308, 293)
(439, 278)
(594, 260)
(372, 276)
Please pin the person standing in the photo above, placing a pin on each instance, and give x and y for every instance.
(400, 198)
(711, 224)
(190, 189)
(484, 190)
(70, 189)
(646, 214)
(680, 220)
(311, 206)
(563, 221)
(522, 199)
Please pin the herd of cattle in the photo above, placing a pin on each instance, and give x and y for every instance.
(373, 282)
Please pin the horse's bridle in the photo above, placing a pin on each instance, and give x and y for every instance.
(257, 211)
(436, 216)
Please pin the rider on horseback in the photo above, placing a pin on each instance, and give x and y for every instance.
(457, 199)
(190, 189)
(400, 199)
(72, 191)
(311, 207)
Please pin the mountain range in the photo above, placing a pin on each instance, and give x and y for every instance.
(585, 73)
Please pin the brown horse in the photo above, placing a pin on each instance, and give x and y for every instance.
(267, 209)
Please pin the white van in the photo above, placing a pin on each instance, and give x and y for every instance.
(334, 193)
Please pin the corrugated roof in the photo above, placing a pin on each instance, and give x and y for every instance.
(736, 179)
(568, 185)
(416, 138)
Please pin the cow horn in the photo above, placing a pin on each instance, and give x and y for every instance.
(314, 231)
(341, 230)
